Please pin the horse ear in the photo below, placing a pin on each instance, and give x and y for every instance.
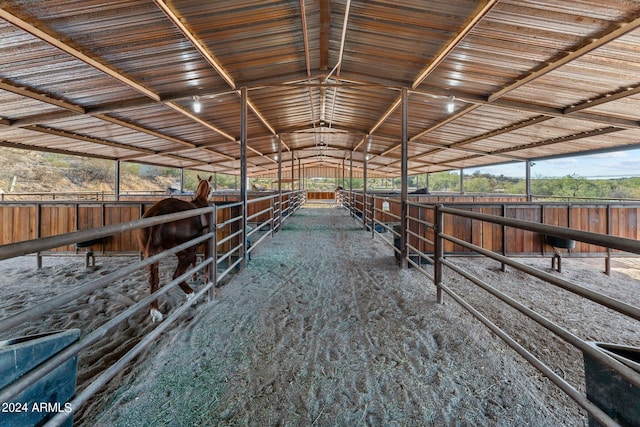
(199, 179)
(210, 176)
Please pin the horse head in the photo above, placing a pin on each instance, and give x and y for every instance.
(201, 197)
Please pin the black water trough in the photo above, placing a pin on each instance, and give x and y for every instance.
(560, 242)
(611, 393)
(49, 395)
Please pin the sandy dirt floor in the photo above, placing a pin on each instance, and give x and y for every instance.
(322, 328)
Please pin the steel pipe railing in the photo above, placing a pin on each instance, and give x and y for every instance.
(42, 244)
(117, 367)
(578, 397)
(439, 261)
(40, 371)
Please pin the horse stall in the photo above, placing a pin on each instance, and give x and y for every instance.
(618, 219)
(109, 301)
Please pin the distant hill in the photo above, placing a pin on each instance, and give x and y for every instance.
(23, 171)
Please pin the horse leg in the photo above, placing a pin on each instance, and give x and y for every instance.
(154, 280)
(194, 276)
(185, 259)
(207, 254)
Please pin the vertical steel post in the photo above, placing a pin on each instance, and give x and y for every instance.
(438, 252)
(213, 252)
(503, 266)
(528, 180)
(273, 215)
(299, 174)
(373, 216)
(351, 183)
(292, 170)
(280, 213)
(243, 171)
(38, 234)
(117, 181)
(364, 186)
(404, 193)
(461, 180)
(607, 260)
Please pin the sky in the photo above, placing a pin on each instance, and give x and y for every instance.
(603, 165)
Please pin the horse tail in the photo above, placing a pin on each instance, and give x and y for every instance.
(148, 238)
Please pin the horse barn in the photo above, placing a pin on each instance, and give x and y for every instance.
(335, 308)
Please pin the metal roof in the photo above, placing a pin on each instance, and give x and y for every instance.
(116, 79)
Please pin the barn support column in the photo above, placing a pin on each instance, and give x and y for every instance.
(299, 174)
(351, 182)
(117, 181)
(461, 181)
(404, 193)
(426, 182)
(279, 222)
(215, 181)
(243, 172)
(293, 183)
(528, 179)
(182, 180)
(364, 184)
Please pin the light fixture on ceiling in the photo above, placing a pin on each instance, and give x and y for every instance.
(197, 107)
(451, 106)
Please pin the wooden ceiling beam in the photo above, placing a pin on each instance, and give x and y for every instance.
(449, 47)
(208, 56)
(325, 32)
(486, 8)
(141, 129)
(55, 40)
(42, 97)
(617, 30)
(213, 61)
(85, 138)
(19, 146)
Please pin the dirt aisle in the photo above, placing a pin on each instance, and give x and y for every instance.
(322, 328)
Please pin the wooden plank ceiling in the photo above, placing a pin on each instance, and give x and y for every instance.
(116, 79)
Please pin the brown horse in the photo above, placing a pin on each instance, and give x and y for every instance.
(157, 238)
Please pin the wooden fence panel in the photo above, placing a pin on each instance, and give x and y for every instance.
(491, 233)
(589, 218)
(18, 222)
(57, 219)
(321, 195)
(523, 241)
(624, 222)
(118, 213)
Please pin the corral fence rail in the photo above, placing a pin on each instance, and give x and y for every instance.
(431, 226)
(227, 252)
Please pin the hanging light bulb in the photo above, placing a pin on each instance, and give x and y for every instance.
(450, 104)
(197, 107)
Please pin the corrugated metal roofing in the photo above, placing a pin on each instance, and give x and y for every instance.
(117, 79)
